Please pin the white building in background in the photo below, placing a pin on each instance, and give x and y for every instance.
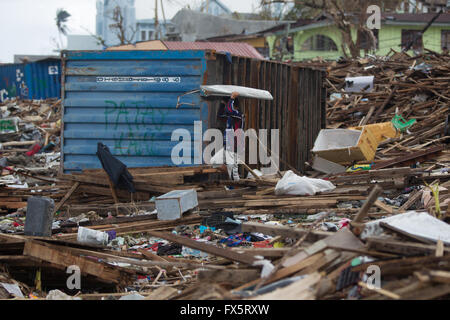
(148, 30)
(214, 7)
(423, 6)
(82, 42)
(104, 20)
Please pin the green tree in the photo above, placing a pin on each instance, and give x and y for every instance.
(347, 15)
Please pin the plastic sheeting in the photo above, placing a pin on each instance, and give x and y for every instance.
(244, 92)
(292, 184)
(418, 224)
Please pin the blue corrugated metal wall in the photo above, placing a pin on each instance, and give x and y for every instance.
(36, 80)
(12, 81)
(133, 117)
(43, 79)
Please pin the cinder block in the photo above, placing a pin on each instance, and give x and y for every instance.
(172, 205)
(39, 218)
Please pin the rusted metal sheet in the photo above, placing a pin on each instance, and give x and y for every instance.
(239, 49)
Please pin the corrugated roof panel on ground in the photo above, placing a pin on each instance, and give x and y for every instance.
(127, 100)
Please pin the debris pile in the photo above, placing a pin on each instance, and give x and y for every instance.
(368, 220)
(29, 146)
(403, 88)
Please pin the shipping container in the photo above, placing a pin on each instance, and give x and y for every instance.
(43, 79)
(12, 81)
(36, 80)
(128, 101)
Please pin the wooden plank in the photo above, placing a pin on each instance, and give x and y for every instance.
(380, 291)
(13, 205)
(384, 207)
(265, 252)
(287, 232)
(319, 203)
(408, 157)
(140, 186)
(151, 256)
(299, 290)
(138, 227)
(404, 266)
(285, 272)
(401, 247)
(60, 256)
(412, 199)
(23, 261)
(220, 252)
(229, 276)
(66, 197)
(428, 293)
(362, 213)
(113, 256)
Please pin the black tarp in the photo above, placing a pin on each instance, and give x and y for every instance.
(116, 170)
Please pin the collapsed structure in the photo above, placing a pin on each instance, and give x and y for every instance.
(317, 229)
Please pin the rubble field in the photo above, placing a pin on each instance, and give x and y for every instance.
(370, 222)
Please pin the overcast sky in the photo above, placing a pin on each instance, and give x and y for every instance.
(28, 26)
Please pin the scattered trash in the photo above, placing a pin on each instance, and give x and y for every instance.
(92, 237)
(375, 195)
(292, 184)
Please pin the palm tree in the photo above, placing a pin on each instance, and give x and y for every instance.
(61, 20)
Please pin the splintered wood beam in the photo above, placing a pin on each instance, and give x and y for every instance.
(407, 157)
(265, 252)
(305, 203)
(113, 191)
(412, 199)
(232, 276)
(62, 258)
(287, 232)
(379, 290)
(220, 252)
(23, 261)
(67, 196)
(384, 207)
(138, 227)
(402, 247)
(286, 271)
(376, 191)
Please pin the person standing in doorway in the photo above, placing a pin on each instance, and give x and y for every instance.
(229, 111)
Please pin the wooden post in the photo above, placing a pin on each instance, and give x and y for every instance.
(357, 222)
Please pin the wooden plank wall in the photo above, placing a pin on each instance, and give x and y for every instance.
(297, 110)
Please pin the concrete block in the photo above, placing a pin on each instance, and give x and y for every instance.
(39, 218)
(172, 205)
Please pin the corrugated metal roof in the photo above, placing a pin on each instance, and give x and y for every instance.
(406, 18)
(416, 17)
(235, 48)
(142, 45)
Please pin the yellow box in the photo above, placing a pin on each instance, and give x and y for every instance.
(345, 146)
(381, 131)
